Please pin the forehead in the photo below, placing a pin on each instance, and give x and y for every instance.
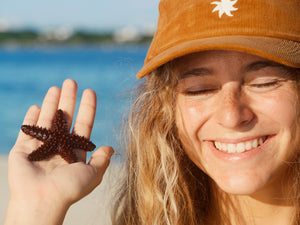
(215, 57)
(222, 61)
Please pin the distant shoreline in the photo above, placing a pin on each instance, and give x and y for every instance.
(61, 37)
(17, 45)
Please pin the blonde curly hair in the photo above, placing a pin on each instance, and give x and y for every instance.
(163, 186)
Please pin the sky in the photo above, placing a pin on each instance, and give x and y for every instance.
(95, 14)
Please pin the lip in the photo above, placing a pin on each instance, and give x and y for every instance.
(238, 157)
(235, 141)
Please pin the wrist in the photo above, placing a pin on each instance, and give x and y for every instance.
(35, 212)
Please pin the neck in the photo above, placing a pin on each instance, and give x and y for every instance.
(260, 212)
(270, 206)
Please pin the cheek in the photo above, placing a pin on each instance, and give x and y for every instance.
(191, 115)
(281, 108)
(187, 118)
(279, 112)
(190, 118)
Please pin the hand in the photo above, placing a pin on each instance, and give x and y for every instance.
(51, 186)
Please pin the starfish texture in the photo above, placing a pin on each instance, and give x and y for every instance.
(57, 140)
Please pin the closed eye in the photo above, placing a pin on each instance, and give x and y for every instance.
(267, 84)
(200, 92)
(262, 86)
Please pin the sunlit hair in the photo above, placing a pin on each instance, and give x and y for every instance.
(162, 186)
(294, 164)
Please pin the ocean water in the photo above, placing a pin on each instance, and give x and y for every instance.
(26, 73)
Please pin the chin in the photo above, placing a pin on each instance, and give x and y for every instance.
(243, 185)
(240, 189)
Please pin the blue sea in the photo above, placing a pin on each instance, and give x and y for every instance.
(27, 73)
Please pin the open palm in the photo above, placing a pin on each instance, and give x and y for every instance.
(54, 180)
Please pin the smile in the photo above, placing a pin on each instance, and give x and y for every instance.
(240, 147)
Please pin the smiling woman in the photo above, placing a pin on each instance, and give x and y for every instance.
(228, 140)
(213, 134)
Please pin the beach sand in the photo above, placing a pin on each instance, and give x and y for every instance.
(4, 190)
(94, 209)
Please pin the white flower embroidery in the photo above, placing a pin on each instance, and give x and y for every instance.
(225, 6)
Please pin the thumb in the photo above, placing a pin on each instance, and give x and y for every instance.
(100, 161)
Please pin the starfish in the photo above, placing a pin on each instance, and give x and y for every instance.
(57, 140)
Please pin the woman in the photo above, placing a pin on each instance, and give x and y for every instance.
(213, 136)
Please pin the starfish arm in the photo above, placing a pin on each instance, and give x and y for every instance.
(57, 140)
(59, 123)
(43, 152)
(82, 143)
(68, 155)
(39, 133)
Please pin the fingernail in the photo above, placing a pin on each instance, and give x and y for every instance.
(109, 151)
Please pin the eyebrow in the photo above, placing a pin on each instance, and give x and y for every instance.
(255, 66)
(195, 72)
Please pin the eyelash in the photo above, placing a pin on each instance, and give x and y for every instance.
(267, 84)
(200, 92)
(208, 91)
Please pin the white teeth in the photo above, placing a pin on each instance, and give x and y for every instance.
(218, 145)
(231, 148)
(224, 147)
(248, 145)
(255, 143)
(239, 147)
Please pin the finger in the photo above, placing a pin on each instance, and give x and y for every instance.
(85, 118)
(88, 176)
(86, 114)
(67, 100)
(49, 107)
(30, 118)
(100, 161)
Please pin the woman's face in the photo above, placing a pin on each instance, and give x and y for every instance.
(236, 115)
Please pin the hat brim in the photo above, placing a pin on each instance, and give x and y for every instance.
(286, 52)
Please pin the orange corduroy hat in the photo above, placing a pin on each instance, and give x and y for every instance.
(267, 28)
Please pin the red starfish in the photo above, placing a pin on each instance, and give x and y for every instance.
(57, 140)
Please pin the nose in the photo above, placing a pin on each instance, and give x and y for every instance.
(233, 110)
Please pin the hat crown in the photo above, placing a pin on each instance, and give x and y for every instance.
(184, 21)
(197, 19)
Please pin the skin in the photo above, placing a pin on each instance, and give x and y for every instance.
(42, 192)
(233, 97)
